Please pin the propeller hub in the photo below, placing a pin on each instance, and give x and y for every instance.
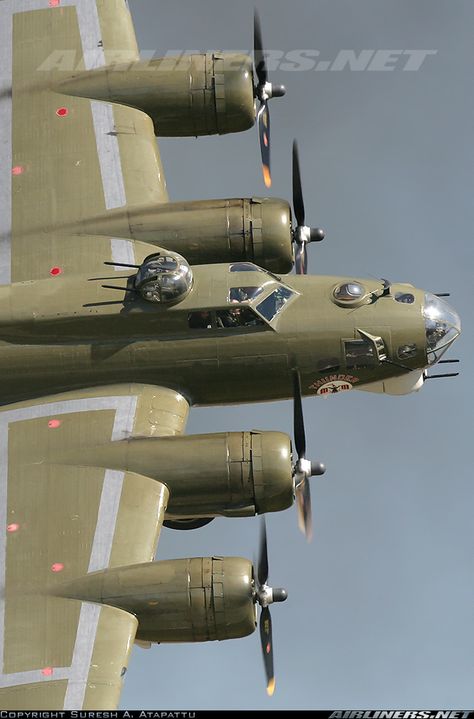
(267, 595)
(302, 234)
(268, 90)
(278, 90)
(280, 594)
(317, 234)
(303, 466)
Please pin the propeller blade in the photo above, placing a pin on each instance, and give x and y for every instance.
(263, 126)
(298, 420)
(262, 566)
(301, 258)
(267, 648)
(303, 505)
(259, 57)
(298, 203)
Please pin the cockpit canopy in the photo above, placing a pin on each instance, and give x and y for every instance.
(442, 326)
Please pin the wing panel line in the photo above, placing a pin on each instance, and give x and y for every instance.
(106, 520)
(122, 251)
(82, 655)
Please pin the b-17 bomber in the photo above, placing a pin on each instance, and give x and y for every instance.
(119, 311)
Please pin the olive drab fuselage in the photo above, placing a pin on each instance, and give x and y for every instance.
(214, 346)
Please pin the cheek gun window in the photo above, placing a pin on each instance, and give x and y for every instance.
(406, 351)
(359, 354)
(237, 317)
(406, 297)
(243, 294)
(274, 303)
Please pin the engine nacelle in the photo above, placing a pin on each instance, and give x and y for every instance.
(211, 231)
(198, 600)
(229, 474)
(185, 96)
(177, 600)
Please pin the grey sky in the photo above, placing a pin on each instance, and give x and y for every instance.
(380, 608)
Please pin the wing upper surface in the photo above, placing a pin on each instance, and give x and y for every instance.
(62, 158)
(61, 521)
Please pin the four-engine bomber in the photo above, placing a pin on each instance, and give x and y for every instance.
(118, 312)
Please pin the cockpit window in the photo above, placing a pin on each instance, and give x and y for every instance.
(237, 317)
(230, 317)
(349, 291)
(200, 320)
(245, 267)
(243, 294)
(274, 303)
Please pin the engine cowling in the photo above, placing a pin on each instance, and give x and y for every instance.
(185, 96)
(230, 474)
(253, 229)
(199, 600)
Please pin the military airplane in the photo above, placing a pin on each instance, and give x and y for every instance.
(119, 310)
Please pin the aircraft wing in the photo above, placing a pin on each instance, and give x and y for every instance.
(65, 159)
(61, 520)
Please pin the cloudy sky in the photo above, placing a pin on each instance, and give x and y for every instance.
(380, 608)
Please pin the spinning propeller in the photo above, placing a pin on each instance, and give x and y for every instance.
(302, 234)
(264, 90)
(265, 595)
(303, 468)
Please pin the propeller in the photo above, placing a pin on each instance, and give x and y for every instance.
(303, 468)
(264, 90)
(302, 234)
(265, 595)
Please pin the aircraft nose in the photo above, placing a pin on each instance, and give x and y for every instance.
(442, 326)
